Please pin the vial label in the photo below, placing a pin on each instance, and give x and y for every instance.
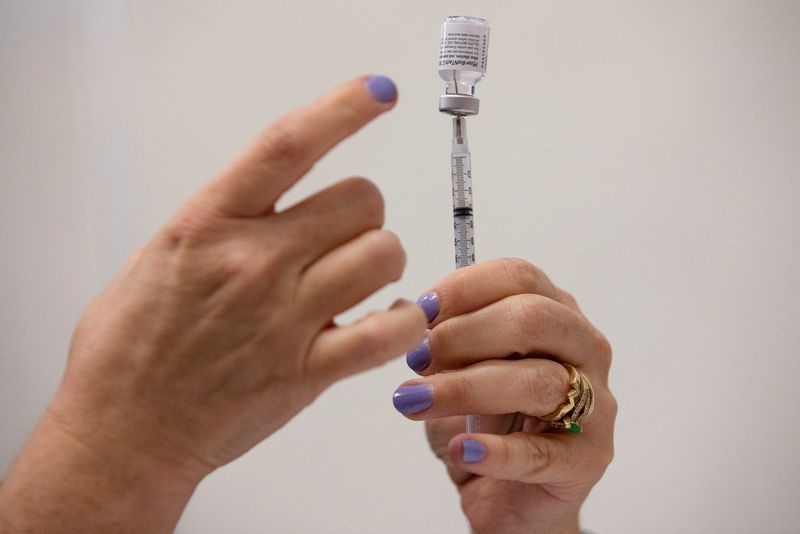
(463, 46)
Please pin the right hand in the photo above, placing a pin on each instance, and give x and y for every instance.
(500, 336)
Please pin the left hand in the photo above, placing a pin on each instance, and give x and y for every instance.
(500, 330)
(217, 332)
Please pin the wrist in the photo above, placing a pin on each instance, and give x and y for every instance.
(63, 481)
(570, 525)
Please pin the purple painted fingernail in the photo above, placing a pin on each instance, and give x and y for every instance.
(382, 88)
(419, 358)
(474, 451)
(429, 303)
(413, 399)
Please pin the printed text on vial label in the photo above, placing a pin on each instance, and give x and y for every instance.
(463, 50)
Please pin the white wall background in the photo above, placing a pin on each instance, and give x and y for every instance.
(645, 154)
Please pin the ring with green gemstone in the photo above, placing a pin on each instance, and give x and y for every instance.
(570, 415)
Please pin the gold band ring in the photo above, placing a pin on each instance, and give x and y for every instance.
(578, 406)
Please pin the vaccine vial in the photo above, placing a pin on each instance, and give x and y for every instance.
(463, 51)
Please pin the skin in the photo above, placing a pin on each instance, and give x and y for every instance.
(215, 334)
(501, 334)
(220, 330)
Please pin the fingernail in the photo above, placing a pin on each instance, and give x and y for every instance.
(382, 88)
(419, 358)
(413, 399)
(473, 451)
(429, 303)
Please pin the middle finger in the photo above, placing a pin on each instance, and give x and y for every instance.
(521, 324)
(330, 218)
(350, 273)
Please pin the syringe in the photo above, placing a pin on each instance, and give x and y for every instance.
(462, 64)
(461, 168)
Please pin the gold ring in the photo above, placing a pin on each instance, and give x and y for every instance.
(578, 406)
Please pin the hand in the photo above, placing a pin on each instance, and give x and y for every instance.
(221, 329)
(500, 331)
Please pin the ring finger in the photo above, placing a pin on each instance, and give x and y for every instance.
(533, 387)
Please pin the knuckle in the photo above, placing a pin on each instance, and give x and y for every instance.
(372, 341)
(606, 457)
(281, 142)
(604, 452)
(600, 461)
(604, 349)
(443, 338)
(387, 253)
(613, 405)
(349, 108)
(458, 391)
(192, 225)
(243, 258)
(524, 273)
(530, 317)
(368, 197)
(536, 456)
(567, 298)
(506, 455)
(548, 383)
(451, 288)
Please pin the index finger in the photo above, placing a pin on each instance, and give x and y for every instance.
(474, 287)
(288, 148)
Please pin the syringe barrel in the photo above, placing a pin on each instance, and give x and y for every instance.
(463, 51)
(461, 170)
